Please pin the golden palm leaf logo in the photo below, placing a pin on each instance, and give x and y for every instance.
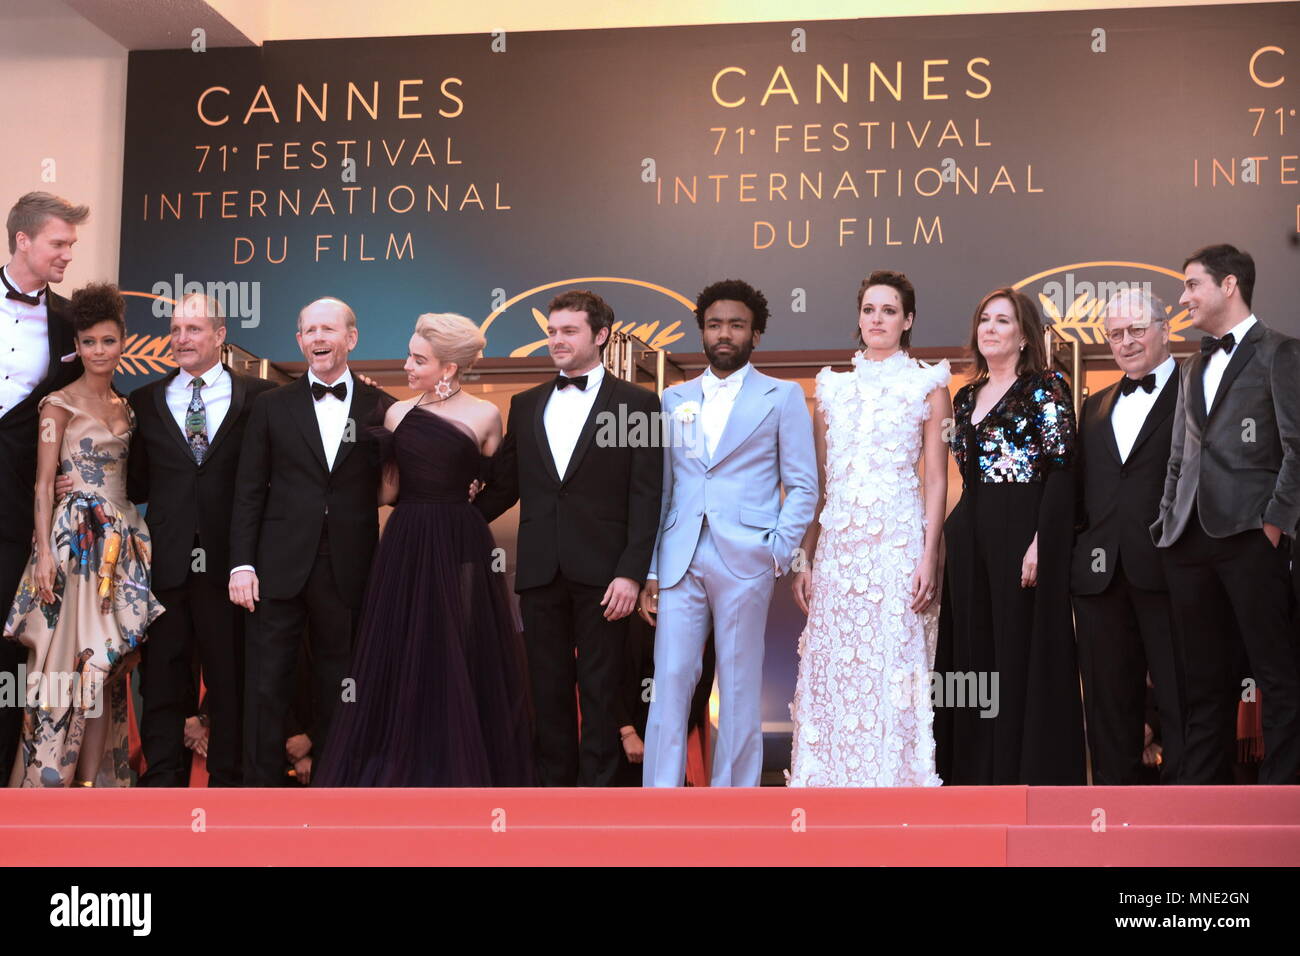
(658, 334)
(1083, 320)
(143, 354)
(647, 332)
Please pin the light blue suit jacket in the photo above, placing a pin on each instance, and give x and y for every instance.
(767, 444)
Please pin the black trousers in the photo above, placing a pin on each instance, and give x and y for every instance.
(559, 618)
(1124, 633)
(14, 556)
(199, 620)
(272, 648)
(1225, 591)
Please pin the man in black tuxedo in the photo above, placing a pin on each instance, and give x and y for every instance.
(588, 489)
(1121, 601)
(39, 358)
(1230, 505)
(189, 429)
(303, 531)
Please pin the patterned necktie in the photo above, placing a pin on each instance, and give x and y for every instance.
(196, 423)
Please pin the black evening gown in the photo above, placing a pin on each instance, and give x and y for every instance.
(1017, 482)
(441, 696)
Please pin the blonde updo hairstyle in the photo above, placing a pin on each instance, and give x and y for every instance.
(453, 338)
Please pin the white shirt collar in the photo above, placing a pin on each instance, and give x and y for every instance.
(1162, 373)
(9, 277)
(738, 376)
(346, 377)
(1238, 331)
(209, 377)
(593, 377)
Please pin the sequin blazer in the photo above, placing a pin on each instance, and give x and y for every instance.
(1025, 436)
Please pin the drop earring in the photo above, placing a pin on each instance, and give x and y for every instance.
(444, 390)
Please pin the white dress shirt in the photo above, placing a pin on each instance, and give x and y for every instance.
(565, 413)
(215, 392)
(1130, 411)
(24, 346)
(1217, 362)
(332, 415)
(719, 399)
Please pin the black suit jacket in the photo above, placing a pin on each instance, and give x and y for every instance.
(18, 427)
(1118, 500)
(186, 499)
(598, 521)
(285, 495)
(1238, 466)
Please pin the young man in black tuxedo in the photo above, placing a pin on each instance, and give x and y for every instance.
(589, 510)
(39, 358)
(303, 531)
(1229, 510)
(1121, 601)
(189, 429)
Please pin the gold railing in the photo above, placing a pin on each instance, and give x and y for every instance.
(632, 360)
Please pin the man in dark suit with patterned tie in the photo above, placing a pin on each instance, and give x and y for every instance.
(39, 358)
(190, 426)
(1230, 508)
(1121, 601)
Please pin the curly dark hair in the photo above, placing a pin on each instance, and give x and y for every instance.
(98, 302)
(735, 290)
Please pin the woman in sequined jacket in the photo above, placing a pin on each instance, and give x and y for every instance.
(1008, 707)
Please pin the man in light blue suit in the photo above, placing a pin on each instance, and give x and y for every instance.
(736, 437)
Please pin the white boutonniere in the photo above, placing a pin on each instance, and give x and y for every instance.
(686, 412)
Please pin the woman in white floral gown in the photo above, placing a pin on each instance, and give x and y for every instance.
(862, 708)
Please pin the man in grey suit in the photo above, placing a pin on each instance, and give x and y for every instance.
(736, 437)
(1230, 508)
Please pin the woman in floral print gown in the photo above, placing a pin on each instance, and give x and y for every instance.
(84, 603)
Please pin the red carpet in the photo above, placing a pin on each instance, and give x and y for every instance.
(1006, 826)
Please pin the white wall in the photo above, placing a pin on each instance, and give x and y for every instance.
(64, 86)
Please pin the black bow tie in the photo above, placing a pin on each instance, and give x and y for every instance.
(1127, 386)
(20, 296)
(563, 381)
(339, 390)
(1210, 345)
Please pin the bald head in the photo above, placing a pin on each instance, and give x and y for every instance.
(327, 332)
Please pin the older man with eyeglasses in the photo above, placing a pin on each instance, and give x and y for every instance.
(1121, 601)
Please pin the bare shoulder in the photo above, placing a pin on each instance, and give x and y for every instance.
(397, 411)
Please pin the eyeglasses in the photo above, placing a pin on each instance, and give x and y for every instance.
(1136, 332)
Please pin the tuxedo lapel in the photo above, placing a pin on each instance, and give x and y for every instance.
(165, 414)
(603, 397)
(355, 408)
(1240, 356)
(539, 433)
(304, 414)
(1196, 387)
(751, 407)
(690, 435)
(238, 395)
(1105, 421)
(1158, 414)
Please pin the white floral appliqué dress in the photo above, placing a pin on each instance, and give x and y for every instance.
(861, 709)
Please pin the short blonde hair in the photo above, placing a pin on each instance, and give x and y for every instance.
(452, 337)
(31, 212)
